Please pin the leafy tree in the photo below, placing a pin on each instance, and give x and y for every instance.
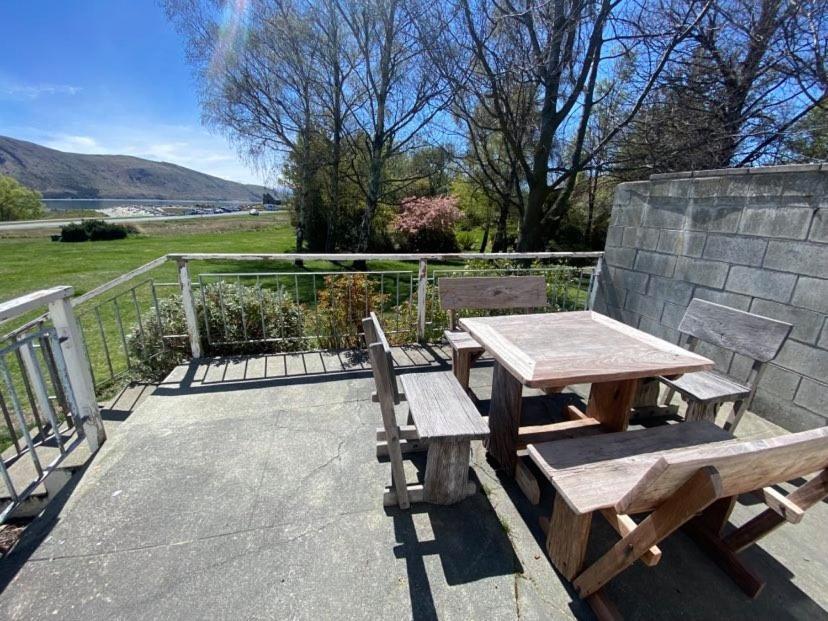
(17, 202)
(808, 140)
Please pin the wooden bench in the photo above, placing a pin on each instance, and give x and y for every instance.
(753, 336)
(445, 421)
(483, 293)
(674, 473)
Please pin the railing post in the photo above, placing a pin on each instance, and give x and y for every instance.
(422, 283)
(189, 308)
(594, 284)
(78, 370)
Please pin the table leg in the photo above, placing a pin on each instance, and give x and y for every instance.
(610, 403)
(504, 418)
(567, 538)
(447, 472)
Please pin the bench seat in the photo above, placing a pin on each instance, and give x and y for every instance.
(440, 407)
(595, 472)
(463, 341)
(707, 387)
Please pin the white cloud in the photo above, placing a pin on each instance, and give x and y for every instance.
(73, 144)
(13, 90)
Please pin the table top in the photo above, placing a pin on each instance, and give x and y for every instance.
(559, 349)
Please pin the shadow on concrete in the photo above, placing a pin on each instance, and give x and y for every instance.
(469, 539)
(38, 531)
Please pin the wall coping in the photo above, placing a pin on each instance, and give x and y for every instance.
(729, 172)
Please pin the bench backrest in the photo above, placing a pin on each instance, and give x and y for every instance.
(743, 466)
(757, 337)
(484, 292)
(375, 336)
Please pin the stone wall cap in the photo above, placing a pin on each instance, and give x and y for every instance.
(731, 172)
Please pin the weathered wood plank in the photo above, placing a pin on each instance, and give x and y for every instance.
(624, 525)
(24, 303)
(560, 349)
(504, 417)
(441, 408)
(447, 471)
(500, 292)
(743, 466)
(527, 482)
(536, 434)
(595, 472)
(406, 447)
(751, 335)
(708, 387)
(567, 537)
(610, 403)
(703, 488)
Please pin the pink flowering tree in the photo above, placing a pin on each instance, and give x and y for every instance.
(426, 224)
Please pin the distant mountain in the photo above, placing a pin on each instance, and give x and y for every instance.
(57, 174)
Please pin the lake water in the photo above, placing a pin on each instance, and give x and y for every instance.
(66, 204)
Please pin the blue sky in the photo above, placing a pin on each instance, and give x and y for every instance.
(105, 76)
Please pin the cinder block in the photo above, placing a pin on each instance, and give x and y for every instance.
(823, 341)
(701, 272)
(641, 237)
(627, 215)
(719, 219)
(672, 315)
(687, 243)
(811, 293)
(655, 263)
(656, 329)
(614, 235)
(644, 305)
(665, 215)
(670, 290)
(740, 368)
(735, 249)
(819, 227)
(620, 257)
(800, 258)
(803, 359)
(813, 395)
(725, 298)
(717, 354)
(806, 323)
(627, 279)
(779, 381)
(785, 413)
(761, 283)
(792, 223)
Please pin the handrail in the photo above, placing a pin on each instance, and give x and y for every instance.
(23, 304)
(352, 256)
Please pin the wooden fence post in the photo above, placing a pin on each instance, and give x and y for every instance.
(78, 369)
(422, 283)
(189, 308)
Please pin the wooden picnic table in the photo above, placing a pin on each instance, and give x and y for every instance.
(555, 350)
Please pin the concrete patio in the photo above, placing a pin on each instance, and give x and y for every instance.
(249, 489)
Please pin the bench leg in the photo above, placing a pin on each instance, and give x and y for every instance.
(701, 411)
(461, 365)
(447, 471)
(567, 538)
(504, 418)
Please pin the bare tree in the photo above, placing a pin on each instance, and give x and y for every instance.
(551, 52)
(399, 96)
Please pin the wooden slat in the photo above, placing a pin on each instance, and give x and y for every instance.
(624, 525)
(742, 465)
(416, 493)
(527, 482)
(462, 341)
(406, 447)
(747, 334)
(441, 408)
(780, 503)
(703, 488)
(536, 434)
(560, 349)
(806, 496)
(374, 333)
(492, 292)
(406, 432)
(595, 472)
(708, 387)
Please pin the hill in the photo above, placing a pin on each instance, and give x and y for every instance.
(57, 174)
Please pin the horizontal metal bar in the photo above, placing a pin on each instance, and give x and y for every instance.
(218, 256)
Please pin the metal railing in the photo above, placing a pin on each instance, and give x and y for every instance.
(47, 399)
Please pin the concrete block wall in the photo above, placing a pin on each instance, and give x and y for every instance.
(754, 239)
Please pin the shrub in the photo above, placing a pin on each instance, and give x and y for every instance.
(427, 224)
(466, 241)
(94, 230)
(343, 303)
(233, 314)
